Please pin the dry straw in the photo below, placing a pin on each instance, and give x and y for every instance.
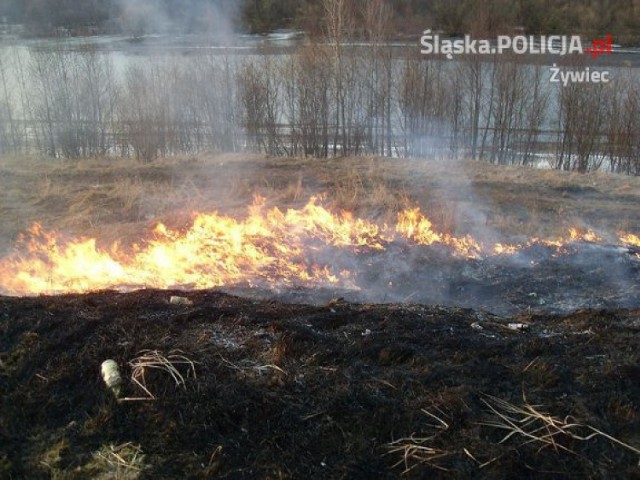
(541, 428)
(156, 360)
(416, 450)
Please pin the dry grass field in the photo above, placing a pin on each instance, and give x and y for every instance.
(119, 199)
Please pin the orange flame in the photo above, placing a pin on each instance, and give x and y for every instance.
(630, 239)
(414, 226)
(269, 245)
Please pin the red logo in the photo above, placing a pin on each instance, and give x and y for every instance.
(600, 46)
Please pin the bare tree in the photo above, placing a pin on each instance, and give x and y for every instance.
(42, 73)
(378, 24)
(8, 127)
(425, 101)
(310, 108)
(580, 117)
(339, 27)
(470, 81)
(623, 124)
(260, 97)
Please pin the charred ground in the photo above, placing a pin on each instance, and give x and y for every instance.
(291, 391)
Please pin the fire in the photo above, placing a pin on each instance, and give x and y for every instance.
(630, 239)
(79, 265)
(575, 235)
(502, 249)
(296, 246)
(414, 226)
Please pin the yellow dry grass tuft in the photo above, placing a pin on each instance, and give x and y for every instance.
(417, 450)
(120, 462)
(541, 428)
(155, 360)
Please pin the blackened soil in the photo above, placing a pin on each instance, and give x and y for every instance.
(296, 391)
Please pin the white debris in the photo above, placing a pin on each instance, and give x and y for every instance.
(366, 333)
(111, 376)
(517, 326)
(476, 326)
(175, 300)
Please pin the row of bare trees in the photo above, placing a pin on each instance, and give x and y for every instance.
(327, 98)
(76, 104)
(599, 125)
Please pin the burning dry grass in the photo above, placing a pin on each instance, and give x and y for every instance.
(474, 209)
(631, 239)
(310, 246)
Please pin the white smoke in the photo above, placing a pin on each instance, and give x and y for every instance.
(218, 18)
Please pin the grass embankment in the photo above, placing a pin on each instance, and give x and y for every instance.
(119, 199)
